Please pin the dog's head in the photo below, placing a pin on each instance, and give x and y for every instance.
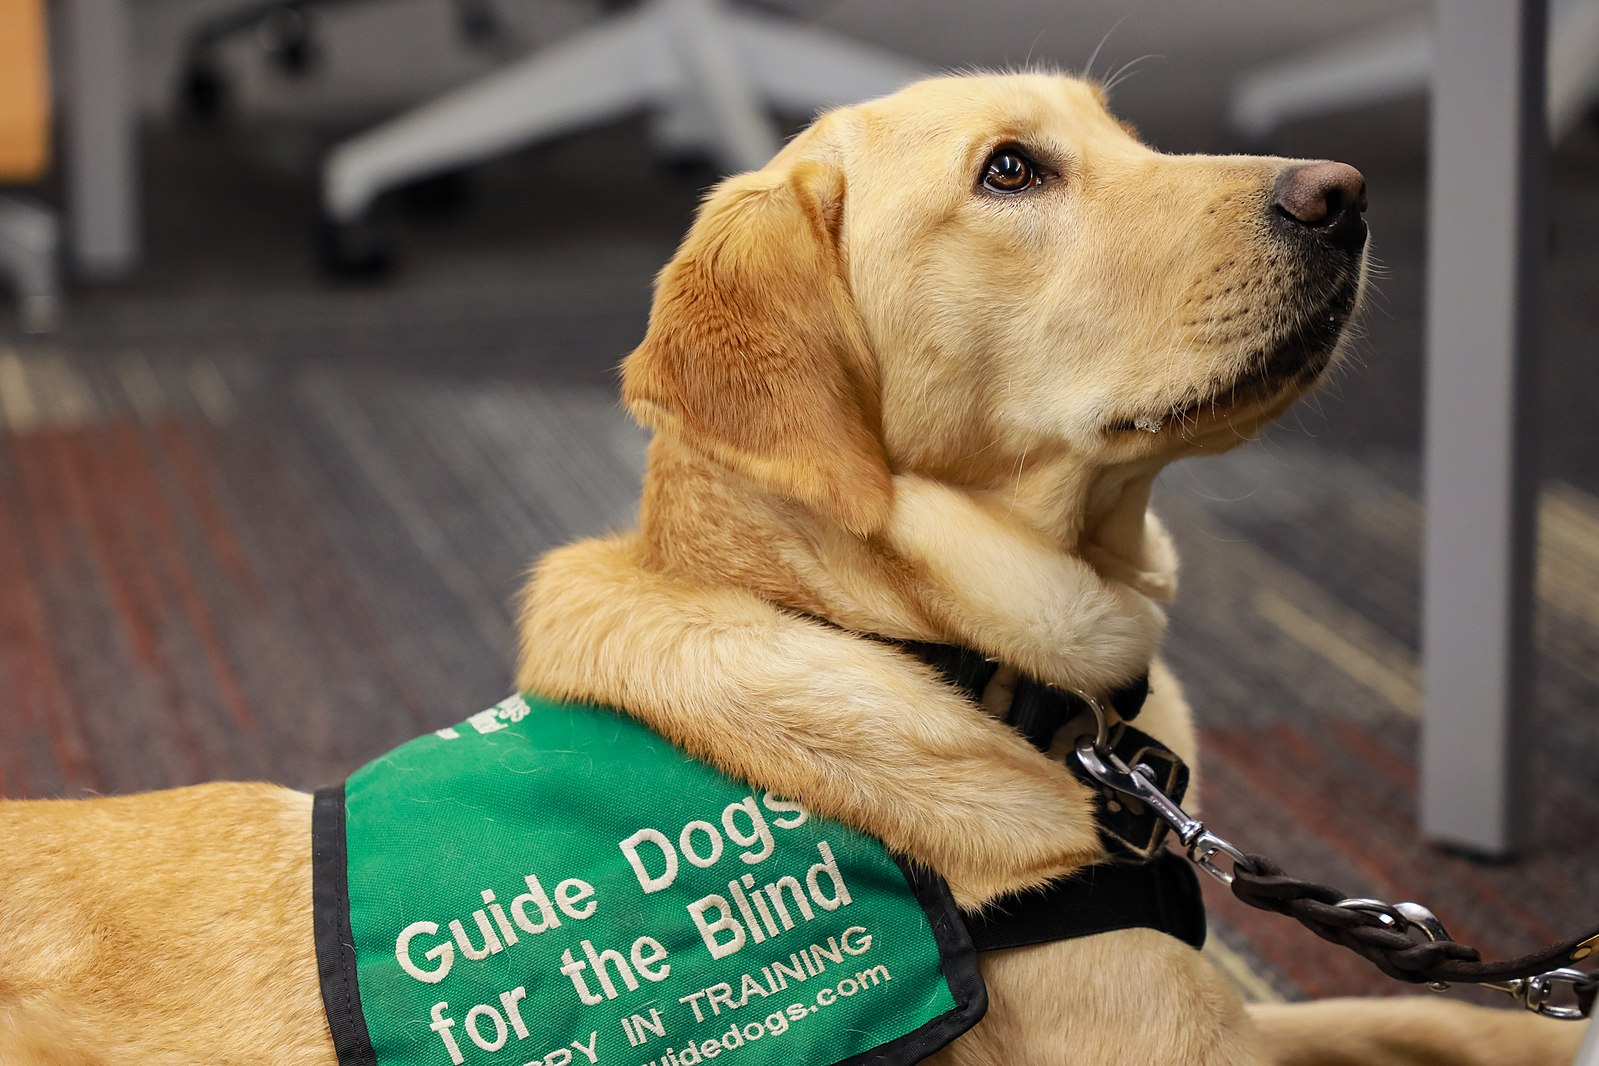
(979, 275)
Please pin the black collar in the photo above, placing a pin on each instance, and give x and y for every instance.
(1037, 709)
(1143, 885)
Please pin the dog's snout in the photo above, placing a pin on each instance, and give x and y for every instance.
(1327, 200)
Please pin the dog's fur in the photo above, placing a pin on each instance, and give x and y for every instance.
(885, 397)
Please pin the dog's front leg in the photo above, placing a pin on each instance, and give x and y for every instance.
(1003, 587)
(848, 726)
(1135, 996)
(1412, 1031)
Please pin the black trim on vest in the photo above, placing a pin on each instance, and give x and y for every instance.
(341, 996)
(957, 959)
(335, 945)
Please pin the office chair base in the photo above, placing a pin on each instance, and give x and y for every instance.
(709, 72)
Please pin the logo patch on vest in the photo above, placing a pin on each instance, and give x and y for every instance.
(555, 885)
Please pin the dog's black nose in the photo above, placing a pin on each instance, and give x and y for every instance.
(1324, 200)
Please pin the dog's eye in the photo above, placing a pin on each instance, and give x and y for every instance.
(1008, 171)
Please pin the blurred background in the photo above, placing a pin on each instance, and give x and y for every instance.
(295, 383)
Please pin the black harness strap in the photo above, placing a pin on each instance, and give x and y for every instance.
(1144, 886)
(1161, 894)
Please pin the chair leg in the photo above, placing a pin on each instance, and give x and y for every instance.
(1573, 65)
(1394, 61)
(721, 82)
(600, 74)
(708, 70)
(802, 68)
(750, 62)
(1398, 60)
(30, 254)
(680, 130)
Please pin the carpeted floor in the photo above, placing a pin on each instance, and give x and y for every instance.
(252, 525)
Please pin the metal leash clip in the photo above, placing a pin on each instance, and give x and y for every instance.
(1534, 993)
(1137, 782)
(1204, 847)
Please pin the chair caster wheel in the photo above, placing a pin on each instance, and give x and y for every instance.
(203, 92)
(362, 249)
(677, 163)
(440, 195)
(290, 43)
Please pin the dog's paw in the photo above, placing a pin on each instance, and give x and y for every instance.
(1009, 591)
(875, 740)
(1402, 1030)
(999, 819)
(1120, 630)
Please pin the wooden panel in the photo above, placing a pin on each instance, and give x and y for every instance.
(24, 92)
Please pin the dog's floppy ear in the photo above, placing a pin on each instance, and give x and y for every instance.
(755, 354)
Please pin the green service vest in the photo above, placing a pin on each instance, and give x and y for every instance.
(553, 884)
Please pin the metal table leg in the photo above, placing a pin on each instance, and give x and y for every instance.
(99, 148)
(1489, 156)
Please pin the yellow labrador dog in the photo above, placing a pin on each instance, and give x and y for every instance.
(914, 378)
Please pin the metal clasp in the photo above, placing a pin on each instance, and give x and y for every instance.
(1403, 917)
(1400, 916)
(1534, 993)
(1204, 848)
(1138, 783)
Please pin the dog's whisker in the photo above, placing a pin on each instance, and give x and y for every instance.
(1127, 70)
(1088, 67)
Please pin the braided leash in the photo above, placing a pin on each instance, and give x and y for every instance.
(1383, 934)
(1406, 941)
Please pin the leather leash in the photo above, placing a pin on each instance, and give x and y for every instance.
(1141, 786)
(1406, 941)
